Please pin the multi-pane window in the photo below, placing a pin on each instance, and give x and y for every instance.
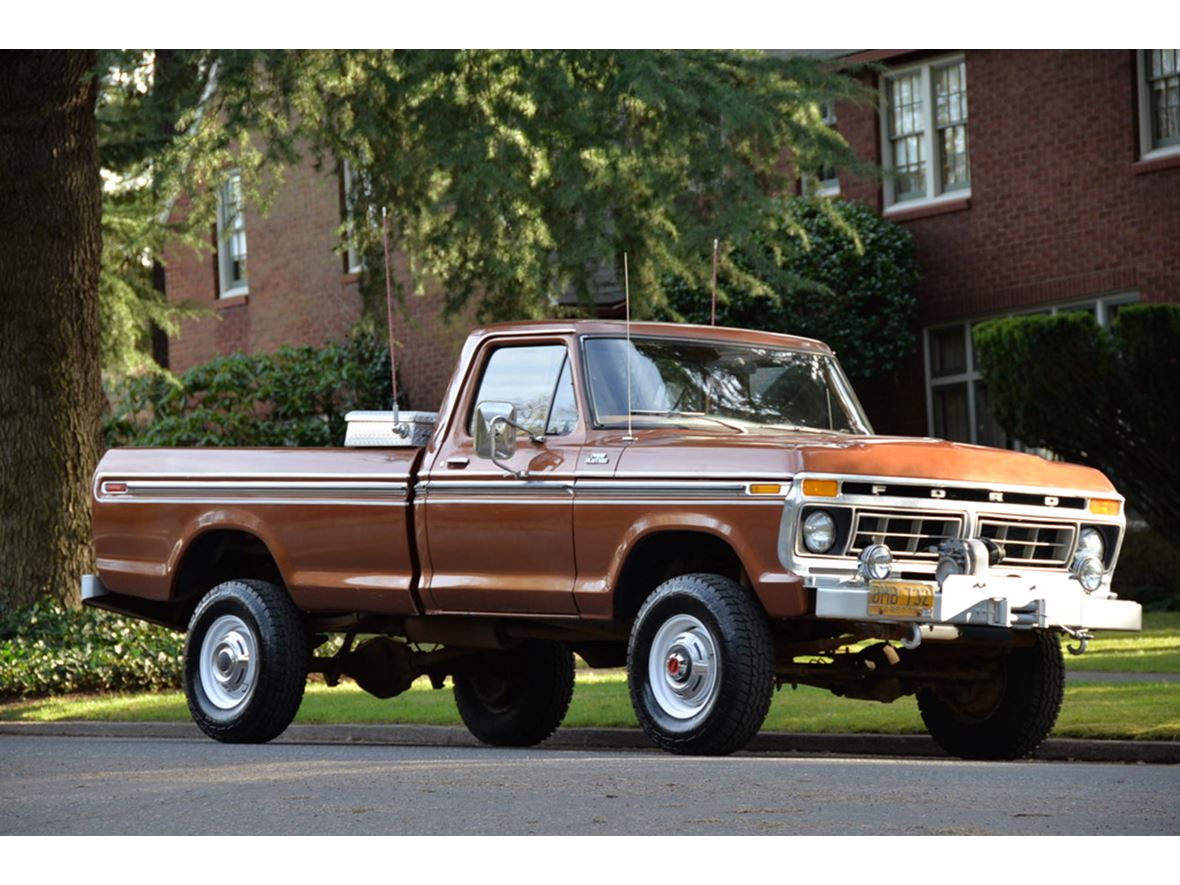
(950, 119)
(959, 408)
(925, 127)
(907, 135)
(1160, 86)
(231, 238)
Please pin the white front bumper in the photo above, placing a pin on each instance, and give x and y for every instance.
(1037, 602)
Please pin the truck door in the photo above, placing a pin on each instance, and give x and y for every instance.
(496, 542)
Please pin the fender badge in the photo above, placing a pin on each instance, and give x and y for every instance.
(598, 458)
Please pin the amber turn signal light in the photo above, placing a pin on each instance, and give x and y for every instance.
(1104, 507)
(821, 488)
(766, 488)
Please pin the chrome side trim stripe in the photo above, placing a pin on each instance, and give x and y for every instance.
(594, 492)
(615, 489)
(108, 490)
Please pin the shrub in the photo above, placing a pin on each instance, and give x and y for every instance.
(1104, 398)
(47, 649)
(1149, 571)
(297, 396)
(845, 276)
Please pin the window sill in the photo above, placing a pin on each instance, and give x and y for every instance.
(352, 276)
(940, 206)
(1161, 158)
(236, 298)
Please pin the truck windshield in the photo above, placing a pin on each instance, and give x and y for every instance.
(718, 384)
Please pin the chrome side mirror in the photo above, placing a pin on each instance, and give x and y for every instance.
(495, 432)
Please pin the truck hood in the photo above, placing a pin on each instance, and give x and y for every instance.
(777, 453)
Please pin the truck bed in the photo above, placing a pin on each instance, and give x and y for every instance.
(337, 521)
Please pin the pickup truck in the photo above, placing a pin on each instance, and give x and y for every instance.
(708, 507)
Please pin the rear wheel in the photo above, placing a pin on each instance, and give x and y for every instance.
(517, 697)
(246, 659)
(1006, 717)
(701, 666)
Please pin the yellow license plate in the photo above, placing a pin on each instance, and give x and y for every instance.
(901, 599)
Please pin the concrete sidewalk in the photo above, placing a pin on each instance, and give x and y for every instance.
(777, 743)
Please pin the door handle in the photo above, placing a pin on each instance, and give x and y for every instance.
(457, 463)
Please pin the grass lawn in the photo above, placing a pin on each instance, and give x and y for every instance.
(1142, 711)
(1155, 650)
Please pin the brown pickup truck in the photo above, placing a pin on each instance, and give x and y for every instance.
(706, 506)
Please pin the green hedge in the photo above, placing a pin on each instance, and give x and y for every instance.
(1108, 398)
(297, 396)
(1149, 571)
(47, 649)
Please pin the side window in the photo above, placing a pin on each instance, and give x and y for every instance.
(536, 381)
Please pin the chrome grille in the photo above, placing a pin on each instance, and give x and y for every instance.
(1029, 542)
(907, 534)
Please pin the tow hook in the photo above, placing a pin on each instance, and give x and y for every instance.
(1082, 636)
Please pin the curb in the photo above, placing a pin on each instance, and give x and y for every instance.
(920, 746)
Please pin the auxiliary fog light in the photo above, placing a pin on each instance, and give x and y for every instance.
(819, 531)
(876, 562)
(1088, 570)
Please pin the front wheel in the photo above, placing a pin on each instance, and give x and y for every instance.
(701, 666)
(518, 697)
(1005, 717)
(246, 659)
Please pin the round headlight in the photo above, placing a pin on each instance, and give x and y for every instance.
(1090, 543)
(876, 562)
(819, 531)
(1088, 570)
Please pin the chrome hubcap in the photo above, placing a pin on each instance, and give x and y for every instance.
(683, 668)
(229, 662)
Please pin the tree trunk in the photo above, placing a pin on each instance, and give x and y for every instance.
(50, 255)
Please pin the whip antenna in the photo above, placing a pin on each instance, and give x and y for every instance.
(627, 290)
(389, 314)
(713, 316)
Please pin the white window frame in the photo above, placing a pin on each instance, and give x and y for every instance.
(934, 194)
(223, 254)
(356, 261)
(1147, 149)
(971, 376)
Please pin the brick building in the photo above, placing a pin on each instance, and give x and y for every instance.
(1032, 181)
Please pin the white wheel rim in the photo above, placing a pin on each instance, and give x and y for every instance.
(229, 663)
(683, 668)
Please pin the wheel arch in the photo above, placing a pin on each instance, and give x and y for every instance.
(221, 553)
(662, 552)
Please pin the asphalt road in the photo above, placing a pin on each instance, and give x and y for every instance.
(82, 786)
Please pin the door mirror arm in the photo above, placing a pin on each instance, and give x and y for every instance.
(535, 438)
